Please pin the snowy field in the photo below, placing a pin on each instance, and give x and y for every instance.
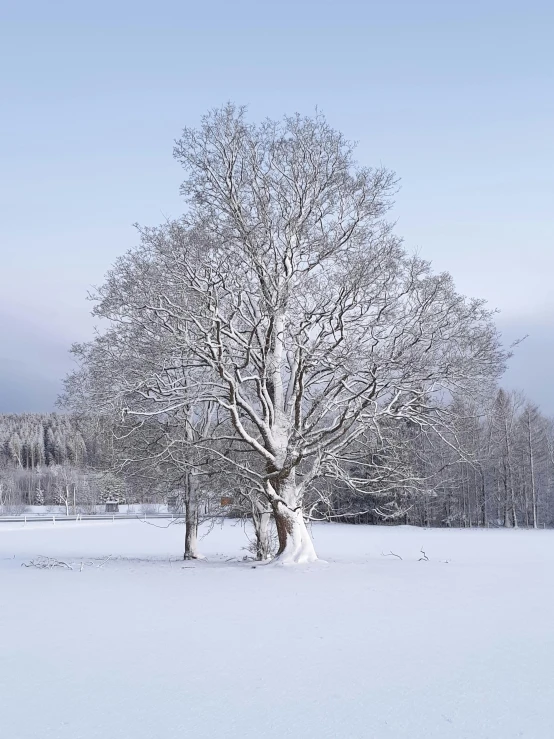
(367, 646)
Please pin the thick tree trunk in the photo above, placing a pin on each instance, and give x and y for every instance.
(285, 498)
(295, 542)
(191, 521)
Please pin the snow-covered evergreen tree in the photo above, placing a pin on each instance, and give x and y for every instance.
(112, 489)
(39, 496)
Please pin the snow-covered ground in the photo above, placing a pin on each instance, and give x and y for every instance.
(365, 646)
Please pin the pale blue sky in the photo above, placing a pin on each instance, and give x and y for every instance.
(457, 97)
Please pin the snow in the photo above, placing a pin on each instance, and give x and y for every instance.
(363, 646)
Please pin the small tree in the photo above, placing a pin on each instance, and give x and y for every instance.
(112, 489)
(39, 495)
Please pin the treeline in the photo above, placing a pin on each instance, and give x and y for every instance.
(32, 440)
(54, 459)
(67, 460)
(494, 467)
(504, 475)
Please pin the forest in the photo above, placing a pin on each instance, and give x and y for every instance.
(53, 459)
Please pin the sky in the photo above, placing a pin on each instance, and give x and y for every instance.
(456, 97)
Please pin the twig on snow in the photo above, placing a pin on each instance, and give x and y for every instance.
(391, 554)
(425, 558)
(165, 526)
(49, 563)
(46, 563)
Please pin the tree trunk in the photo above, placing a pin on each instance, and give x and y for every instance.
(295, 542)
(285, 498)
(532, 470)
(483, 498)
(191, 520)
(261, 518)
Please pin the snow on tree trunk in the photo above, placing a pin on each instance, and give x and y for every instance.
(191, 520)
(261, 519)
(295, 542)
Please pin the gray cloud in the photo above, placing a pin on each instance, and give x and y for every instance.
(32, 365)
(25, 391)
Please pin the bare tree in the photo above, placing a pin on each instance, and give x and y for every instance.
(151, 443)
(284, 302)
(315, 324)
(534, 444)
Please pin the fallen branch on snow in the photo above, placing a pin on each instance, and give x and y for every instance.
(425, 558)
(391, 554)
(50, 563)
(46, 563)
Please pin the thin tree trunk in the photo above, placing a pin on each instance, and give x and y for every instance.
(510, 518)
(507, 522)
(483, 497)
(191, 519)
(532, 468)
(261, 518)
(524, 490)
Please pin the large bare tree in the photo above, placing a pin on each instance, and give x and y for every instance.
(314, 321)
(284, 300)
